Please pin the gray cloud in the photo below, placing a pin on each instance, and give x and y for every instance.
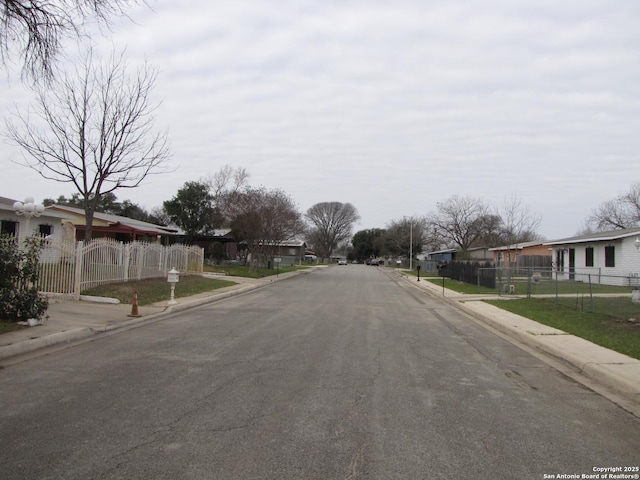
(394, 106)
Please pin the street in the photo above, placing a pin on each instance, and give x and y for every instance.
(344, 373)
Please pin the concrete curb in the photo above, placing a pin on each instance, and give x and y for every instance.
(46, 341)
(617, 372)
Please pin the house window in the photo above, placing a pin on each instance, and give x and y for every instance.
(8, 228)
(588, 257)
(292, 251)
(45, 230)
(609, 256)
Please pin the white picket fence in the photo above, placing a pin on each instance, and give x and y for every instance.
(66, 269)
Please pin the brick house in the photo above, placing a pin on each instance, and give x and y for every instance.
(526, 254)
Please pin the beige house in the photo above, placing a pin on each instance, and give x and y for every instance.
(123, 229)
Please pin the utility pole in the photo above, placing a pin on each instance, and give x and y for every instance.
(411, 244)
(410, 241)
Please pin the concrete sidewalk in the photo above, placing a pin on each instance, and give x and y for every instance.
(618, 375)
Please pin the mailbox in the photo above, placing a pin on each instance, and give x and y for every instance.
(173, 276)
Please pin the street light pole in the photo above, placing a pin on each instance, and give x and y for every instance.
(411, 244)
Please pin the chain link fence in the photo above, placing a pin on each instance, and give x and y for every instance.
(589, 290)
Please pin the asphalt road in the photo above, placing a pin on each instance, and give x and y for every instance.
(340, 374)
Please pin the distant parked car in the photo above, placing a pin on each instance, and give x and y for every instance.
(342, 261)
(374, 262)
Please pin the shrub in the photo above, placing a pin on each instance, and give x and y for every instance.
(19, 272)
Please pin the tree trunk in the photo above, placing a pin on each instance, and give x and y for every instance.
(89, 210)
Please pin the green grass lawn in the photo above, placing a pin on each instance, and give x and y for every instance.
(611, 330)
(549, 287)
(158, 289)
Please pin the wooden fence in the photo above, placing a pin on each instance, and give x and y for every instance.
(68, 269)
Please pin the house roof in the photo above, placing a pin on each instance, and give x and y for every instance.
(221, 232)
(288, 243)
(598, 237)
(294, 243)
(6, 204)
(117, 222)
(446, 250)
(517, 246)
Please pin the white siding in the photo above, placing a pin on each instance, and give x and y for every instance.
(627, 261)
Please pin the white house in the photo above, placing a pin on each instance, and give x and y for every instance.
(49, 223)
(611, 258)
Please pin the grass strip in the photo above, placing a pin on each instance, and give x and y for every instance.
(158, 289)
(612, 330)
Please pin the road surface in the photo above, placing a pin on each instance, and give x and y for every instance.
(344, 373)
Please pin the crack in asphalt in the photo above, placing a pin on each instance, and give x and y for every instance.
(355, 465)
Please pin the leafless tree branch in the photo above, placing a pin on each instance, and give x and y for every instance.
(93, 129)
(620, 213)
(35, 29)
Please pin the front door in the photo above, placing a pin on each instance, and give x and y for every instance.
(572, 263)
(560, 261)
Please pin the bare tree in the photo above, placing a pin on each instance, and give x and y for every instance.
(518, 224)
(463, 221)
(263, 219)
(93, 129)
(160, 216)
(35, 29)
(227, 180)
(620, 213)
(405, 237)
(331, 224)
(225, 185)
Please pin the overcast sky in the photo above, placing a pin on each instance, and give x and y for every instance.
(392, 106)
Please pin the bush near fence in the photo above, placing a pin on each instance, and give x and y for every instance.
(68, 269)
